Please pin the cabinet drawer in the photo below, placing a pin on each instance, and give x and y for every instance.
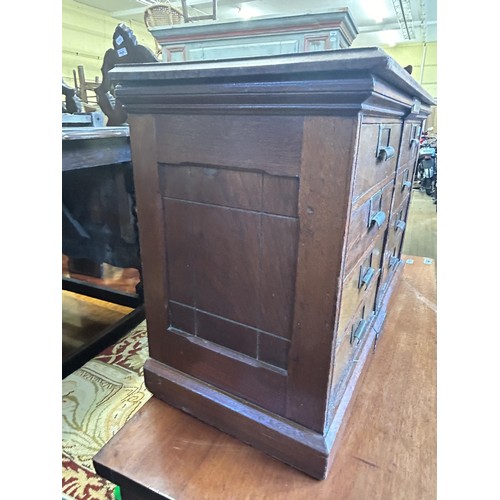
(389, 265)
(368, 221)
(390, 260)
(402, 187)
(397, 223)
(377, 155)
(359, 282)
(409, 144)
(353, 335)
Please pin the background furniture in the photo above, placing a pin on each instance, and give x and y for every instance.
(388, 452)
(98, 221)
(255, 37)
(272, 197)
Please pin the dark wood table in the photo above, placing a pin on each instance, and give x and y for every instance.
(87, 147)
(99, 222)
(388, 451)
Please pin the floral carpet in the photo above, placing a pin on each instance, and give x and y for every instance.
(97, 401)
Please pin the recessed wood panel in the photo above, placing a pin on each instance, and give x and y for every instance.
(273, 350)
(278, 257)
(267, 143)
(244, 189)
(233, 266)
(218, 186)
(232, 335)
(182, 317)
(280, 195)
(179, 221)
(227, 262)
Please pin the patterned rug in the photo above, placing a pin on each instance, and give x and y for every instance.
(97, 401)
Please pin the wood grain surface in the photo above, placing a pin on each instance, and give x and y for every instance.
(388, 451)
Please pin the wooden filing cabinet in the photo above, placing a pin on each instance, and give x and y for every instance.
(271, 195)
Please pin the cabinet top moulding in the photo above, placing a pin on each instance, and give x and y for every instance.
(340, 81)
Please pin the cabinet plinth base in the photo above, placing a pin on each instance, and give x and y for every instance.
(279, 437)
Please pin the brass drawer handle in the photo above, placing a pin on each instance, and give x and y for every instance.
(400, 224)
(367, 277)
(378, 218)
(386, 153)
(360, 330)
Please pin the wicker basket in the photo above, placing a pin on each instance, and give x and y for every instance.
(162, 14)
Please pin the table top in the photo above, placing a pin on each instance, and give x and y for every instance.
(387, 452)
(88, 147)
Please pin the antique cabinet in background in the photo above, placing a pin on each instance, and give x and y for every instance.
(272, 196)
(264, 36)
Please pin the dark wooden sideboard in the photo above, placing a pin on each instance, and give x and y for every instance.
(98, 225)
(272, 196)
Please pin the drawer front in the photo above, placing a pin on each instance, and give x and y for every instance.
(359, 282)
(352, 336)
(409, 143)
(397, 223)
(402, 186)
(388, 268)
(391, 257)
(368, 221)
(377, 155)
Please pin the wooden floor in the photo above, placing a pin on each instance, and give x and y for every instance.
(421, 229)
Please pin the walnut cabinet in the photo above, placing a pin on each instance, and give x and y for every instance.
(272, 196)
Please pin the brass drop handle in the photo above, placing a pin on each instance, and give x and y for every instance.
(407, 184)
(386, 153)
(413, 141)
(367, 277)
(378, 218)
(360, 330)
(400, 224)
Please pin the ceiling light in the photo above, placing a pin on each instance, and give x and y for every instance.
(390, 37)
(376, 9)
(246, 12)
